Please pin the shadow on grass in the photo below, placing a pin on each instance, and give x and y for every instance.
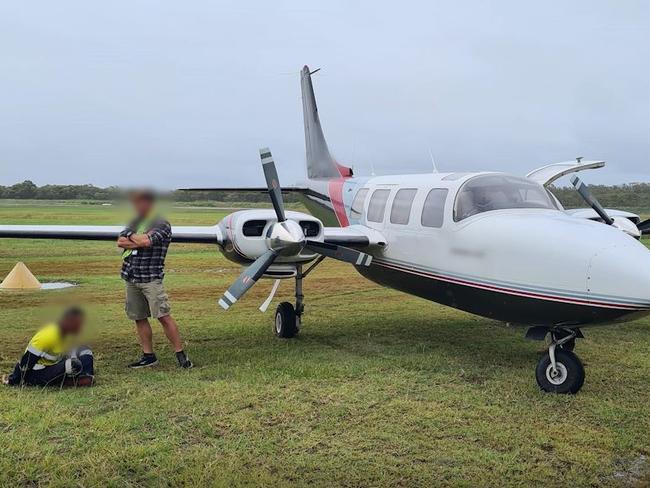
(465, 342)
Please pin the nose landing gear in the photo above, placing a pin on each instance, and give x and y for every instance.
(560, 370)
(287, 316)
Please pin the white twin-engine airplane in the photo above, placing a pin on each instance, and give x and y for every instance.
(491, 244)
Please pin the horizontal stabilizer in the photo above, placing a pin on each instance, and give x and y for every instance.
(250, 189)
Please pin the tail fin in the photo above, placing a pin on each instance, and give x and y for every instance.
(320, 163)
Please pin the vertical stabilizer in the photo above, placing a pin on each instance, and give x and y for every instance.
(320, 163)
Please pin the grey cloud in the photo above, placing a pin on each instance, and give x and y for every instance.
(183, 93)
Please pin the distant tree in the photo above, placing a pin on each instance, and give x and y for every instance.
(24, 190)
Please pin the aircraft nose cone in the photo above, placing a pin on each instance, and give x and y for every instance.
(621, 274)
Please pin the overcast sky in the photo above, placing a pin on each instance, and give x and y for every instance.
(182, 93)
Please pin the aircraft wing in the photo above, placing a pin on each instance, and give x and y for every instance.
(551, 172)
(354, 236)
(198, 235)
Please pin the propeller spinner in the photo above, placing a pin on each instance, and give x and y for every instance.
(285, 238)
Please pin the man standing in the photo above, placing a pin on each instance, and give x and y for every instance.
(145, 242)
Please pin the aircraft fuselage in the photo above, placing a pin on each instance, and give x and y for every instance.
(533, 266)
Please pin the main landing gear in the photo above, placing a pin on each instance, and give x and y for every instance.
(559, 370)
(287, 316)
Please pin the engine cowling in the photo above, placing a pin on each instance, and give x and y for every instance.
(248, 235)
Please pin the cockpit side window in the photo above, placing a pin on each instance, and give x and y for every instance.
(356, 211)
(498, 192)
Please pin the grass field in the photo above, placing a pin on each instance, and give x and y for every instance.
(379, 389)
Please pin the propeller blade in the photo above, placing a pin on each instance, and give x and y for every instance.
(586, 194)
(272, 182)
(644, 227)
(341, 253)
(247, 279)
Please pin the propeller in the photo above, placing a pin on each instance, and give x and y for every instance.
(621, 223)
(272, 183)
(644, 227)
(247, 279)
(341, 253)
(588, 197)
(285, 238)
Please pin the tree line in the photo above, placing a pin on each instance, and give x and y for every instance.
(620, 196)
(635, 195)
(27, 190)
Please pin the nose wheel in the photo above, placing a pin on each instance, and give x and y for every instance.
(560, 370)
(287, 322)
(287, 316)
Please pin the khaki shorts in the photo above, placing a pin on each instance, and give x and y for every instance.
(144, 300)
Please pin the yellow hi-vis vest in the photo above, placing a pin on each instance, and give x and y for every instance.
(48, 344)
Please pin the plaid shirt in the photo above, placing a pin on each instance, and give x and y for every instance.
(147, 264)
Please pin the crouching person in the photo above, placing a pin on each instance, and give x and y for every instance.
(49, 360)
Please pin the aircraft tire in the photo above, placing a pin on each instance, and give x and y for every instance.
(286, 321)
(570, 374)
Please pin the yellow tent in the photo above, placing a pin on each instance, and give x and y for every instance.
(20, 278)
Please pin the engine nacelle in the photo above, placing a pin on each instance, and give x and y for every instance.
(246, 232)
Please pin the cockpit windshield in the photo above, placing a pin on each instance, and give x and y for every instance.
(498, 192)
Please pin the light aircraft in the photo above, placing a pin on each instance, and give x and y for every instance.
(492, 244)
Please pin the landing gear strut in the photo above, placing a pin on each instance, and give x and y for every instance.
(288, 317)
(560, 370)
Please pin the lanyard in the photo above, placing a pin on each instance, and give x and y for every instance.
(142, 228)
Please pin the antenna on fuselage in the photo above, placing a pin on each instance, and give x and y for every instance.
(433, 162)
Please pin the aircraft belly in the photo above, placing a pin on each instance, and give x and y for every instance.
(493, 304)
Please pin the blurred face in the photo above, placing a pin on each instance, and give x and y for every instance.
(142, 205)
(72, 325)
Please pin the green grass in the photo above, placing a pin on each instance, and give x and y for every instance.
(379, 389)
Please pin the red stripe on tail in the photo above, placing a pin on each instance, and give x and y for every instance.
(336, 197)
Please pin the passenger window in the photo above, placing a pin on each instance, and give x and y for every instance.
(357, 205)
(433, 212)
(402, 204)
(377, 206)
